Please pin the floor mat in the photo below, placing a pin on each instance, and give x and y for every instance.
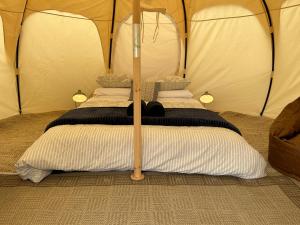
(112, 198)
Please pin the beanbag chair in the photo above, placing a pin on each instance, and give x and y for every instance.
(284, 141)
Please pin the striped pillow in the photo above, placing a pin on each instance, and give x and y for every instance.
(173, 83)
(114, 81)
(149, 91)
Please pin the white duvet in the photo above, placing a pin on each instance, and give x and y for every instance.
(204, 150)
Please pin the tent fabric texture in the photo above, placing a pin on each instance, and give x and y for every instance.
(244, 52)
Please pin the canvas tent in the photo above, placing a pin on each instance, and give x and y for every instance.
(245, 52)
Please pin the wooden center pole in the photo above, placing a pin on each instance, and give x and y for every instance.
(136, 31)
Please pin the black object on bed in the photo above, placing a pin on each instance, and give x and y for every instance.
(143, 107)
(118, 116)
(155, 108)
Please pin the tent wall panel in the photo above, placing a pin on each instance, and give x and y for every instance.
(11, 12)
(99, 12)
(286, 85)
(275, 7)
(285, 25)
(160, 57)
(8, 100)
(254, 6)
(58, 56)
(172, 7)
(221, 62)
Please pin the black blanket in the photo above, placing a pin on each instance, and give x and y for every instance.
(118, 116)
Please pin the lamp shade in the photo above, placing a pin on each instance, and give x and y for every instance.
(206, 98)
(79, 97)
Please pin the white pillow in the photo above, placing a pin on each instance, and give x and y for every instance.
(175, 94)
(110, 98)
(112, 92)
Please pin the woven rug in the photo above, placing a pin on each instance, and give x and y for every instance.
(112, 198)
(18, 133)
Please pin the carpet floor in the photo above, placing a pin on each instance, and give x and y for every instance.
(112, 198)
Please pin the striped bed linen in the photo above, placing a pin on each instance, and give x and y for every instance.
(204, 150)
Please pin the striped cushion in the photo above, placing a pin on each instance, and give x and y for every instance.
(114, 81)
(149, 91)
(173, 83)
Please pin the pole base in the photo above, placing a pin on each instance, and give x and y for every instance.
(137, 178)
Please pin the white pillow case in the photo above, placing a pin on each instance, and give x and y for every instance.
(175, 94)
(112, 92)
(177, 100)
(110, 98)
(106, 101)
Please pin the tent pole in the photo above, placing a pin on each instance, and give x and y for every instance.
(18, 77)
(185, 38)
(136, 31)
(270, 22)
(111, 34)
(17, 63)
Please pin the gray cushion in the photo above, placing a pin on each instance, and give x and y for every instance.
(114, 81)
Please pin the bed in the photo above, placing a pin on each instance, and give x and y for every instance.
(104, 147)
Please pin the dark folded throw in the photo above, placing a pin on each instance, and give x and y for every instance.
(118, 116)
(130, 108)
(155, 108)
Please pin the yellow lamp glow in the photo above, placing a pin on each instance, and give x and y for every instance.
(79, 97)
(206, 98)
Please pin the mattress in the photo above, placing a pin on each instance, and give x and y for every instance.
(204, 150)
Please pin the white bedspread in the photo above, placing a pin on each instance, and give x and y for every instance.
(205, 150)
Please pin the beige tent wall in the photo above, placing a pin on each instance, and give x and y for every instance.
(286, 84)
(99, 11)
(11, 12)
(230, 57)
(286, 29)
(173, 8)
(160, 57)
(254, 6)
(8, 100)
(58, 56)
